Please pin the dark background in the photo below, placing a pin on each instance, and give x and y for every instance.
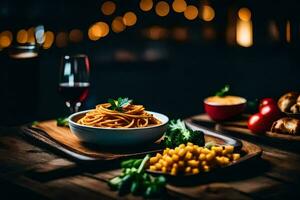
(174, 82)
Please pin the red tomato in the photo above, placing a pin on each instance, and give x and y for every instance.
(267, 101)
(257, 123)
(270, 112)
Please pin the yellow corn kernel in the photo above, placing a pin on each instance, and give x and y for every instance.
(203, 163)
(205, 151)
(199, 149)
(206, 168)
(236, 156)
(153, 160)
(171, 152)
(169, 160)
(225, 161)
(176, 150)
(217, 149)
(164, 163)
(158, 166)
(210, 156)
(175, 165)
(164, 169)
(158, 155)
(193, 163)
(152, 167)
(195, 171)
(181, 152)
(182, 146)
(188, 156)
(188, 170)
(229, 148)
(175, 157)
(190, 144)
(219, 160)
(189, 148)
(166, 151)
(174, 171)
(202, 157)
(224, 152)
(181, 164)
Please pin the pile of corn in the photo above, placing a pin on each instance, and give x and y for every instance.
(192, 159)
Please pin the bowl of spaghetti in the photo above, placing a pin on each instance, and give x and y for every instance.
(122, 125)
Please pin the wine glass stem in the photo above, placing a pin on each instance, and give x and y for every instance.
(73, 107)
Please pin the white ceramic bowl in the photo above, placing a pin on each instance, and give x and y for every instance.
(118, 136)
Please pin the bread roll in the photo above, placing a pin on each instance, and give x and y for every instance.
(287, 101)
(286, 125)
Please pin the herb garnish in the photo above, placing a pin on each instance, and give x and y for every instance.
(223, 91)
(177, 133)
(134, 179)
(62, 121)
(119, 104)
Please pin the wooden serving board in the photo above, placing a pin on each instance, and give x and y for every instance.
(62, 140)
(239, 126)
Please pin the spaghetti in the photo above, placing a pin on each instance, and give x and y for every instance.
(132, 116)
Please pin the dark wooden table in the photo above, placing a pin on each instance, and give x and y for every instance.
(32, 172)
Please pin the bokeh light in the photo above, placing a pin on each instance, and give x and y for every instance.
(129, 18)
(162, 8)
(108, 8)
(6, 38)
(49, 39)
(208, 13)
(191, 12)
(22, 36)
(146, 5)
(31, 37)
(75, 35)
(94, 32)
(61, 39)
(118, 25)
(179, 5)
(244, 14)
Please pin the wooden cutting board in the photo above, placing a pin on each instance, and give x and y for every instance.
(62, 140)
(239, 126)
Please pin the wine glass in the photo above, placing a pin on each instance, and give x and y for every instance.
(74, 80)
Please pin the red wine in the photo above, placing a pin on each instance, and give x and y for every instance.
(74, 93)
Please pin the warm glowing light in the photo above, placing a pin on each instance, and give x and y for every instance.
(22, 36)
(274, 31)
(208, 33)
(31, 37)
(49, 39)
(244, 14)
(244, 33)
(129, 19)
(118, 25)
(5, 39)
(288, 31)
(75, 35)
(98, 30)
(146, 5)
(208, 13)
(162, 8)
(94, 32)
(179, 5)
(180, 34)
(104, 28)
(108, 8)
(61, 39)
(156, 33)
(191, 12)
